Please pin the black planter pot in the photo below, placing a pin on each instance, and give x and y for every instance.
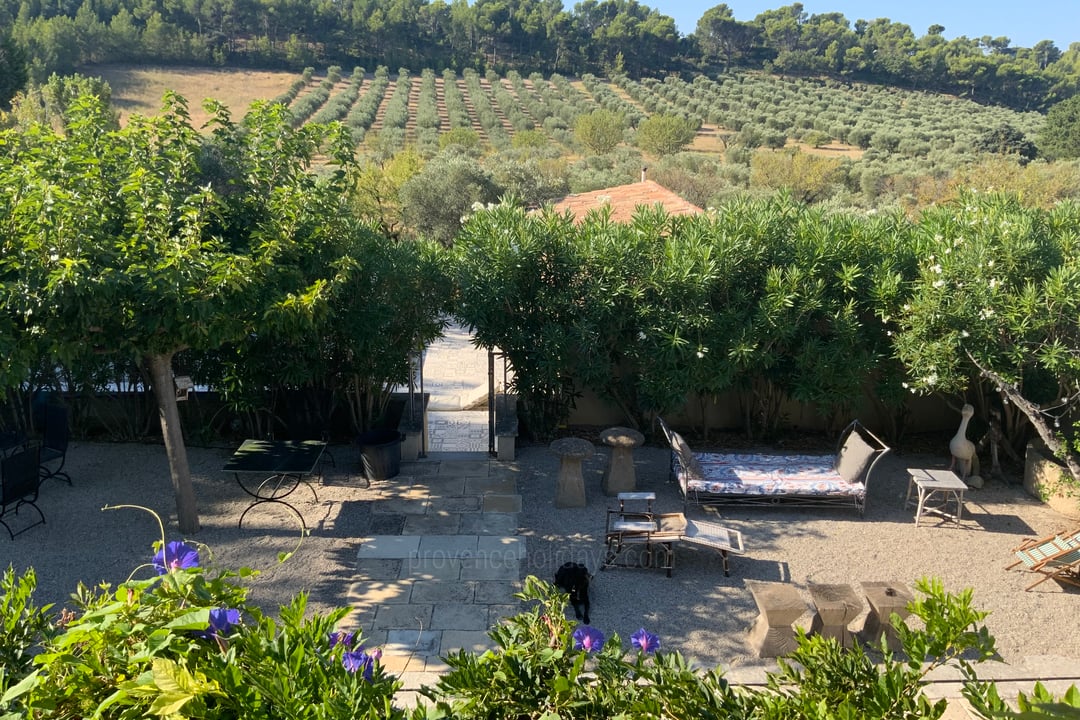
(380, 453)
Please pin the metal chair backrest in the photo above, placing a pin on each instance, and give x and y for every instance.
(20, 478)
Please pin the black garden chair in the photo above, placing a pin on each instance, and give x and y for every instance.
(54, 443)
(19, 483)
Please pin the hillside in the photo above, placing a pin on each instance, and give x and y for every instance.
(877, 144)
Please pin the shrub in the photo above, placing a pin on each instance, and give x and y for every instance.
(665, 134)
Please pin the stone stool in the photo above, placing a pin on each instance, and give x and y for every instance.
(779, 605)
(570, 486)
(885, 598)
(837, 605)
(620, 475)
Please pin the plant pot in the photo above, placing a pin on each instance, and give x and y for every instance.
(380, 453)
(1050, 482)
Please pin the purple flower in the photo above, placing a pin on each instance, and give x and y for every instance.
(359, 661)
(222, 621)
(645, 641)
(176, 556)
(341, 637)
(588, 639)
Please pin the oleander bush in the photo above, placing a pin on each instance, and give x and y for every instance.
(179, 640)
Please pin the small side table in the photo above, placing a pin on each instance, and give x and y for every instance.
(935, 482)
(779, 605)
(837, 605)
(620, 476)
(570, 485)
(885, 598)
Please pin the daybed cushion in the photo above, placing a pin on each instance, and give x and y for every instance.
(763, 474)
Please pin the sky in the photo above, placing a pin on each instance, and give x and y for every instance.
(1024, 23)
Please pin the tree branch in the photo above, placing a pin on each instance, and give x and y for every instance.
(1033, 413)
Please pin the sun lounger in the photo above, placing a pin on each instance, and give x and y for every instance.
(765, 479)
(1054, 557)
(652, 537)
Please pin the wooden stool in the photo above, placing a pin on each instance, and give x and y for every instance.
(885, 598)
(620, 476)
(837, 605)
(779, 605)
(570, 486)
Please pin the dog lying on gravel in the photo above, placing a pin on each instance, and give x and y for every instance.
(573, 578)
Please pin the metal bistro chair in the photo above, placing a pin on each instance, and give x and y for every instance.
(54, 444)
(20, 480)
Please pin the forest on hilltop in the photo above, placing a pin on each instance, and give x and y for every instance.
(608, 37)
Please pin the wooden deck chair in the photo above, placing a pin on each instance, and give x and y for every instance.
(1053, 557)
(1033, 552)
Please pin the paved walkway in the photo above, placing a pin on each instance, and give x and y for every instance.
(446, 568)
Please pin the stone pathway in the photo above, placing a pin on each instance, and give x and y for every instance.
(440, 566)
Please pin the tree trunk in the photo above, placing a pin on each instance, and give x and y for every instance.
(1038, 421)
(187, 513)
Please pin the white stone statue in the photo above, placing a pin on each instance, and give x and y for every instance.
(964, 459)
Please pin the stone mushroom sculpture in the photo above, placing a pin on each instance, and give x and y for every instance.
(964, 459)
(570, 485)
(620, 476)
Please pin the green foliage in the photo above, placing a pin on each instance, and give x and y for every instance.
(535, 671)
(807, 177)
(166, 647)
(997, 297)
(435, 200)
(1006, 140)
(599, 131)
(464, 137)
(823, 680)
(13, 72)
(665, 134)
(1060, 135)
(23, 627)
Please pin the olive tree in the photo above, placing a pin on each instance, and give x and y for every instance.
(152, 239)
(997, 298)
(600, 131)
(665, 134)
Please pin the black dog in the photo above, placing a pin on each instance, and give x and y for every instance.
(574, 579)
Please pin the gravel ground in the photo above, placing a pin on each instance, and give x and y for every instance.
(706, 615)
(697, 611)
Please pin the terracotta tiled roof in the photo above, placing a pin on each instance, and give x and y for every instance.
(624, 199)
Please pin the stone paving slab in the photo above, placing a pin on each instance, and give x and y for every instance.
(488, 523)
(388, 547)
(414, 642)
(490, 484)
(506, 570)
(476, 641)
(396, 617)
(380, 592)
(500, 547)
(433, 523)
(448, 546)
(445, 569)
(440, 591)
(501, 503)
(456, 616)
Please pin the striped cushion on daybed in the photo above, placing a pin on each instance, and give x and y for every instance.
(766, 479)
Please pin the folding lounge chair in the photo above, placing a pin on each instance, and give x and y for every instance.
(656, 534)
(1054, 557)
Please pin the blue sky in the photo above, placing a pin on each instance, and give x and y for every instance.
(1024, 23)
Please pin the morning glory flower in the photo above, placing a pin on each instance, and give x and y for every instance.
(222, 621)
(359, 661)
(176, 556)
(342, 638)
(645, 641)
(588, 639)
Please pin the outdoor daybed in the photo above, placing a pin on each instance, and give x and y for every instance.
(763, 479)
